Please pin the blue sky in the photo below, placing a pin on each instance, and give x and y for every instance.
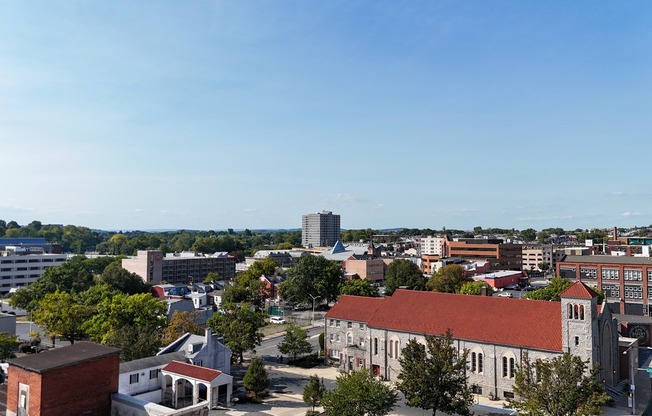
(248, 114)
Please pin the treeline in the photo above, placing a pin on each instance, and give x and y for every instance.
(79, 239)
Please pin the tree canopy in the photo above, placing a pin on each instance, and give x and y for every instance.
(61, 314)
(240, 326)
(314, 392)
(357, 394)
(448, 279)
(433, 376)
(312, 276)
(255, 379)
(295, 341)
(560, 386)
(552, 292)
(359, 287)
(402, 272)
(475, 288)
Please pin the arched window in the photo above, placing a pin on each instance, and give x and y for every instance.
(349, 339)
(473, 362)
(396, 347)
(509, 366)
(582, 312)
(570, 311)
(576, 314)
(390, 349)
(480, 362)
(375, 346)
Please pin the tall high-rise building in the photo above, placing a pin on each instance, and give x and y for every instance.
(321, 229)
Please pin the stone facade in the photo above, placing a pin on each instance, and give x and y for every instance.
(588, 331)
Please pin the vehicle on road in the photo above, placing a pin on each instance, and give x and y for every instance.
(504, 295)
(278, 320)
(513, 286)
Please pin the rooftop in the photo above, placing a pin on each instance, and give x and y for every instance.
(63, 357)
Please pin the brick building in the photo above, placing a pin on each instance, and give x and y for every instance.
(501, 256)
(371, 332)
(68, 381)
(625, 281)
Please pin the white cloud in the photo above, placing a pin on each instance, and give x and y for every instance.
(630, 214)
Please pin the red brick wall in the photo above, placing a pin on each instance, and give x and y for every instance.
(81, 389)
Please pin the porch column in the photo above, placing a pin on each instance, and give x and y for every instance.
(195, 392)
(174, 392)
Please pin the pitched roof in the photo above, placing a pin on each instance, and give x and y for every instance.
(149, 362)
(354, 308)
(192, 371)
(578, 290)
(503, 321)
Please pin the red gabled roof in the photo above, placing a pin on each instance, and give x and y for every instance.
(503, 321)
(578, 290)
(192, 371)
(354, 308)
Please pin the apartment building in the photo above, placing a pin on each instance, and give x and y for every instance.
(186, 267)
(321, 229)
(367, 268)
(431, 246)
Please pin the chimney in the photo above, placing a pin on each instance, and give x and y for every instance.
(615, 233)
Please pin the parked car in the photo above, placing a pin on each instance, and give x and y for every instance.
(504, 295)
(277, 320)
(530, 288)
(513, 286)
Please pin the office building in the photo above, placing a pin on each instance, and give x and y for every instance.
(23, 264)
(321, 229)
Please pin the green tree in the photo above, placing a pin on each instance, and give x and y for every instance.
(543, 266)
(402, 272)
(141, 311)
(240, 327)
(529, 234)
(180, 323)
(359, 287)
(295, 341)
(561, 386)
(8, 344)
(434, 376)
(448, 279)
(212, 277)
(135, 342)
(248, 287)
(475, 288)
(357, 394)
(72, 276)
(320, 339)
(552, 292)
(61, 314)
(312, 275)
(124, 281)
(314, 392)
(255, 379)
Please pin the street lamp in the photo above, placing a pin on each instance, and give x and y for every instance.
(314, 298)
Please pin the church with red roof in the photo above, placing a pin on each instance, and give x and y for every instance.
(364, 332)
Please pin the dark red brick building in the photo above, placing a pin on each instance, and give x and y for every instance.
(77, 380)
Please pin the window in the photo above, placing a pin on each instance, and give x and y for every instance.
(588, 273)
(331, 337)
(133, 378)
(153, 374)
(349, 325)
(480, 362)
(337, 338)
(390, 349)
(633, 292)
(577, 341)
(331, 322)
(361, 325)
(361, 342)
(610, 274)
(375, 346)
(337, 323)
(509, 367)
(636, 275)
(611, 291)
(508, 394)
(473, 362)
(349, 339)
(582, 312)
(335, 354)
